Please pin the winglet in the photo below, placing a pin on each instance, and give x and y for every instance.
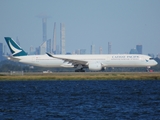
(15, 49)
(49, 54)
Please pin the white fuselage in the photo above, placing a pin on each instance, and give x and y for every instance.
(107, 60)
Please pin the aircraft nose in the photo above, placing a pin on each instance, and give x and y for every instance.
(156, 62)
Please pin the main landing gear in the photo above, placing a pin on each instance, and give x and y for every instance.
(80, 70)
(149, 69)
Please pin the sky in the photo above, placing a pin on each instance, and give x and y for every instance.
(124, 23)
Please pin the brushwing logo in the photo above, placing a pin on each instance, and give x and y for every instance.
(14, 49)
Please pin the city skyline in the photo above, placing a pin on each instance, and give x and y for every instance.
(50, 45)
(123, 23)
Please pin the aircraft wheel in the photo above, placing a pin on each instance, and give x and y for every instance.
(76, 70)
(147, 70)
(82, 70)
(79, 70)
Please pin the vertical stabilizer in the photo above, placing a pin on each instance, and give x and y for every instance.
(15, 49)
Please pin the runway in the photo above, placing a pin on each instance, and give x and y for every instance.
(82, 76)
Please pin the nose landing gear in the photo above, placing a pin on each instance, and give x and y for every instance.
(149, 69)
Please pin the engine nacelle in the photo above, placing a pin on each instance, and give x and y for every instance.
(95, 66)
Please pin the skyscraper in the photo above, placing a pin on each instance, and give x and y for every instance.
(82, 51)
(44, 18)
(44, 28)
(100, 50)
(139, 49)
(57, 49)
(133, 51)
(1, 51)
(77, 51)
(54, 39)
(109, 48)
(92, 49)
(31, 50)
(151, 54)
(49, 46)
(4, 49)
(43, 48)
(62, 39)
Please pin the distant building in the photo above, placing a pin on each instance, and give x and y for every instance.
(44, 28)
(68, 53)
(100, 50)
(44, 18)
(158, 55)
(73, 52)
(48, 46)
(31, 50)
(37, 51)
(43, 48)
(1, 51)
(139, 49)
(109, 47)
(133, 51)
(4, 50)
(62, 39)
(57, 49)
(82, 51)
(77, 51)
(54, 39)
(151, 54)
(92, 49)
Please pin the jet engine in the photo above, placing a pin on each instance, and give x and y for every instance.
(95, 66)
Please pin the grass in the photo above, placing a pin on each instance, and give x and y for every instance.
(82, 76)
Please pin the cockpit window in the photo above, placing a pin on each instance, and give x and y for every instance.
(151, 58)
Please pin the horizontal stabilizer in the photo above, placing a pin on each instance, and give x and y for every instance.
(12, 58)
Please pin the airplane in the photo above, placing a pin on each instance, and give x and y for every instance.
(94, 62)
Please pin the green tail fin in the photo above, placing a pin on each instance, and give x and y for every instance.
(15, 49)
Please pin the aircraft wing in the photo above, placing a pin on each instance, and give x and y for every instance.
(69, 60)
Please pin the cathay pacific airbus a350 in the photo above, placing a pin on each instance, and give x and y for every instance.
(94, 62)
